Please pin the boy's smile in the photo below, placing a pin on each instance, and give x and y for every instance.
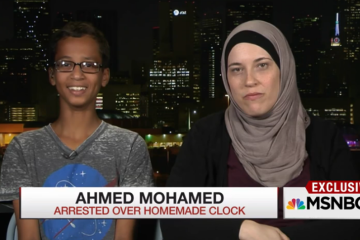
(77, 90)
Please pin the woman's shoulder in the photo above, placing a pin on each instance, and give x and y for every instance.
(211, 122)
(320, 125)
(323, 133)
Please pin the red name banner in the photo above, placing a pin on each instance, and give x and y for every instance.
(333, 187)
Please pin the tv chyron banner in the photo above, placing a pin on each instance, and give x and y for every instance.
(137, 202)
(323, 200)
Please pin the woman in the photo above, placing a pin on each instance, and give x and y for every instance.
(264, 139)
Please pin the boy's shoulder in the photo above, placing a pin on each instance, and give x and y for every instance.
(31, 136)
(30, 139)
(117, 133)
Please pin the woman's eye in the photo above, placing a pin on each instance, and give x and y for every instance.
(263, 65)
(236, 70)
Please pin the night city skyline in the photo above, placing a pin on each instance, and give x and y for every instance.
(136, 20)
(166, 64)
(165, 75)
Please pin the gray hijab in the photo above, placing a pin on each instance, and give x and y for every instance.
(270, 148)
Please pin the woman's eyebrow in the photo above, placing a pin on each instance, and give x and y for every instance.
(262, 58)
(234, 64)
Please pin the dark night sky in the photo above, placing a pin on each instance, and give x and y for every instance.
(137, 17)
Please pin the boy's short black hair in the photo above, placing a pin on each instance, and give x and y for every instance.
(77, 30)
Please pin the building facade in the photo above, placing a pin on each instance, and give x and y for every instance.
(32, 22)
(238, 12)
(19, 113)
(174, 75)
(306, 46)
(106, 22)
(334, 80)
(211, 26)
(17, 60)
(350, 29)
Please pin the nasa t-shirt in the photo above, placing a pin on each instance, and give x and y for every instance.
(110, 157)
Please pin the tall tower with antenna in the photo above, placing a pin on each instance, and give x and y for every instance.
(335, 41)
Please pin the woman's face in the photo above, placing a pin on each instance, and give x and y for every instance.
(254, 79)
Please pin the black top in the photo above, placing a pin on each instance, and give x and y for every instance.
(202, 162)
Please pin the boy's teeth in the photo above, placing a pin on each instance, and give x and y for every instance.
(77, 88)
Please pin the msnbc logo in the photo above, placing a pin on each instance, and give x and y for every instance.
(295, 203)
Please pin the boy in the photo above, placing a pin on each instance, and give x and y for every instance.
(78, 149)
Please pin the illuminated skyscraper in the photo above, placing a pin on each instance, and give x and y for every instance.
(18, 113)
(211, 36)
(169, 86)
(174, 76)
(350, 36)
(349, 18)
(32, 22)
(122, 97)
(335, 41)
(129, 103)
(334, 82)
(22, 113)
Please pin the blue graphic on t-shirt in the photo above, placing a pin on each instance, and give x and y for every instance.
(76, 175)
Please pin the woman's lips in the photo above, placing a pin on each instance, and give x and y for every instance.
(253, 96)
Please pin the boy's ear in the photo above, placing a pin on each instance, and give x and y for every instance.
(52, 76)
(106, 77)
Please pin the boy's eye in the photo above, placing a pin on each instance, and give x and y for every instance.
(65, 64)
(89, 64)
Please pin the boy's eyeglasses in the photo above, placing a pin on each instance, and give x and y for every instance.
(86, 67)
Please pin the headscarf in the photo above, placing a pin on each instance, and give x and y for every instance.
(271, 148)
